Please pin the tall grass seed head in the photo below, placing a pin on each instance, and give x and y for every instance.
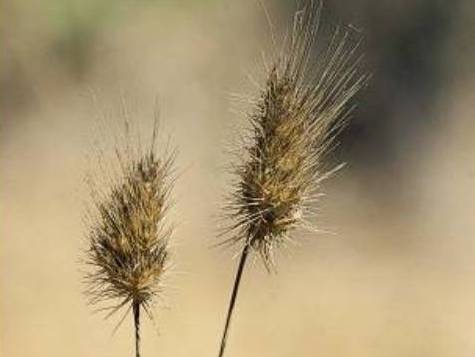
(300, 109)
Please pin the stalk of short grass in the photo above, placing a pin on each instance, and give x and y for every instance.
(136, 313)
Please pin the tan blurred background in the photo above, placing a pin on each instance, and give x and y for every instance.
(397, 278)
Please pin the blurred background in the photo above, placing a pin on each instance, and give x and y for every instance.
(395, 278)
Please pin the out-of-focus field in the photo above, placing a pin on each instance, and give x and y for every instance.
(397, 277)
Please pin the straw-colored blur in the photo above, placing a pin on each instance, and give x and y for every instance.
(394, 277)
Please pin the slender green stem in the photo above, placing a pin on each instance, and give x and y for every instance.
(136, 312)
(232, 302)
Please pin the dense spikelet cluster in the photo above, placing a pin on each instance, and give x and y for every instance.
(298, 113)
(128, 239)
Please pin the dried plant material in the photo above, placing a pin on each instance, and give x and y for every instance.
(127, 236)
(299, 112)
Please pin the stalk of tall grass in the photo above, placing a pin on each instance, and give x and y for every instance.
(299, 111)
(127, 235)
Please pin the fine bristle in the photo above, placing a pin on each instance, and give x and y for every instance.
(300, 110)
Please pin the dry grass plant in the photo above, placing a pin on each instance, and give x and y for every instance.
(127, 234)
(293, 125)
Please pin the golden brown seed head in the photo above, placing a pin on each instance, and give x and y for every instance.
(298, 114)
(127, 236)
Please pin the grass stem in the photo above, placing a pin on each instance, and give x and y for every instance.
(136, 312)
(232, 302)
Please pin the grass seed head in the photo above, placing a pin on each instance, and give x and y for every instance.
(127, 236)
(300, 110)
